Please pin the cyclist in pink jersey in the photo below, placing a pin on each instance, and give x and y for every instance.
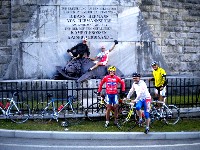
(103, 56)
(112, 82)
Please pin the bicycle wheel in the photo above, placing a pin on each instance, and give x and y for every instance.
(123, 111)
(96, 111)
(68, 116)
(157, 120)
(80, 110)
(19, 113)
(130, 121)
(42, 115)
(172, 114)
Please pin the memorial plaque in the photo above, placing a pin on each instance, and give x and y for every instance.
(93, 22)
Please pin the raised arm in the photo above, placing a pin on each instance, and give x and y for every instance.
(116, 42)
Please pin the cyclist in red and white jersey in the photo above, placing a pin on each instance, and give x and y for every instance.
(103, 56)
(112, 82)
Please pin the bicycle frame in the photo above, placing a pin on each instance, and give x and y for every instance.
(62, 115)
(5, 112)
(12, 102)
(56, 113)
(15, 110)
(130, 111)
(131, 120)
(169, 114)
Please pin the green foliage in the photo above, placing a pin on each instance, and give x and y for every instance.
(89, 126)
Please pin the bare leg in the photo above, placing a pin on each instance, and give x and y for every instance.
(139, 113)
(108, 109)
(116, 112)
(95, 66)
(147, 122)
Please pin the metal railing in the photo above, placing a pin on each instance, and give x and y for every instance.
(183, 92)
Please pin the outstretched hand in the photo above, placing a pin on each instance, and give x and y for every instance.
(116, 42)
(98, 94)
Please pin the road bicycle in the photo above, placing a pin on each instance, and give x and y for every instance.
(97, 110)
(167, 114)
(162, 114)
(131, 120)
(66, 111)
(16, 110)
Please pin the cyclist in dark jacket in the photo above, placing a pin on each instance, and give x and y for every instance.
(79, 50)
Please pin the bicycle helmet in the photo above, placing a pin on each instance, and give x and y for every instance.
(135, 74)
(154, 63)
(112, 68)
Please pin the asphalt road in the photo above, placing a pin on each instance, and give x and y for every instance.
(7, 143)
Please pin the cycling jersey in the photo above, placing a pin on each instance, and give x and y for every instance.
(158, 76)
(111, 84)
(103, 57)
(141, 91)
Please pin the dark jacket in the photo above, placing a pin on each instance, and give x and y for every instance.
(80, 49)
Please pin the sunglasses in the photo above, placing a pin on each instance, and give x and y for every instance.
(135, 78)
(154, 65)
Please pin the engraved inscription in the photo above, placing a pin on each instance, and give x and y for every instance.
(93, 22)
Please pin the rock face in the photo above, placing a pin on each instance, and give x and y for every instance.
(77, 69)
(35, 35)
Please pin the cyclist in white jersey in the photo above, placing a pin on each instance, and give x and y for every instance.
(143, 98)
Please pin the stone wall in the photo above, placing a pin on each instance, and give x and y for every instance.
(5, 36)
(175, 25)
(14, 18)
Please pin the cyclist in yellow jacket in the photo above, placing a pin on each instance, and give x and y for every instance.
(160, 82)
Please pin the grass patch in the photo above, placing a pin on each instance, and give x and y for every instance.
(186, 125)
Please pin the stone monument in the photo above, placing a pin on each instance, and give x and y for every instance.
(57, 25)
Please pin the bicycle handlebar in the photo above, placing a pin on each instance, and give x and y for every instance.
(101, 96)
(15, 93)
(157, 101)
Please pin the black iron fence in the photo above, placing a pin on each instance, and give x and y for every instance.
(183, 92)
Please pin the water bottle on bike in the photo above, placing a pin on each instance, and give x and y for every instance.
(59, 108)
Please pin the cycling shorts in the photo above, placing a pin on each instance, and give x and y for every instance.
(160, 92)
(146, 103)
(103, 63)
(112, 99)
